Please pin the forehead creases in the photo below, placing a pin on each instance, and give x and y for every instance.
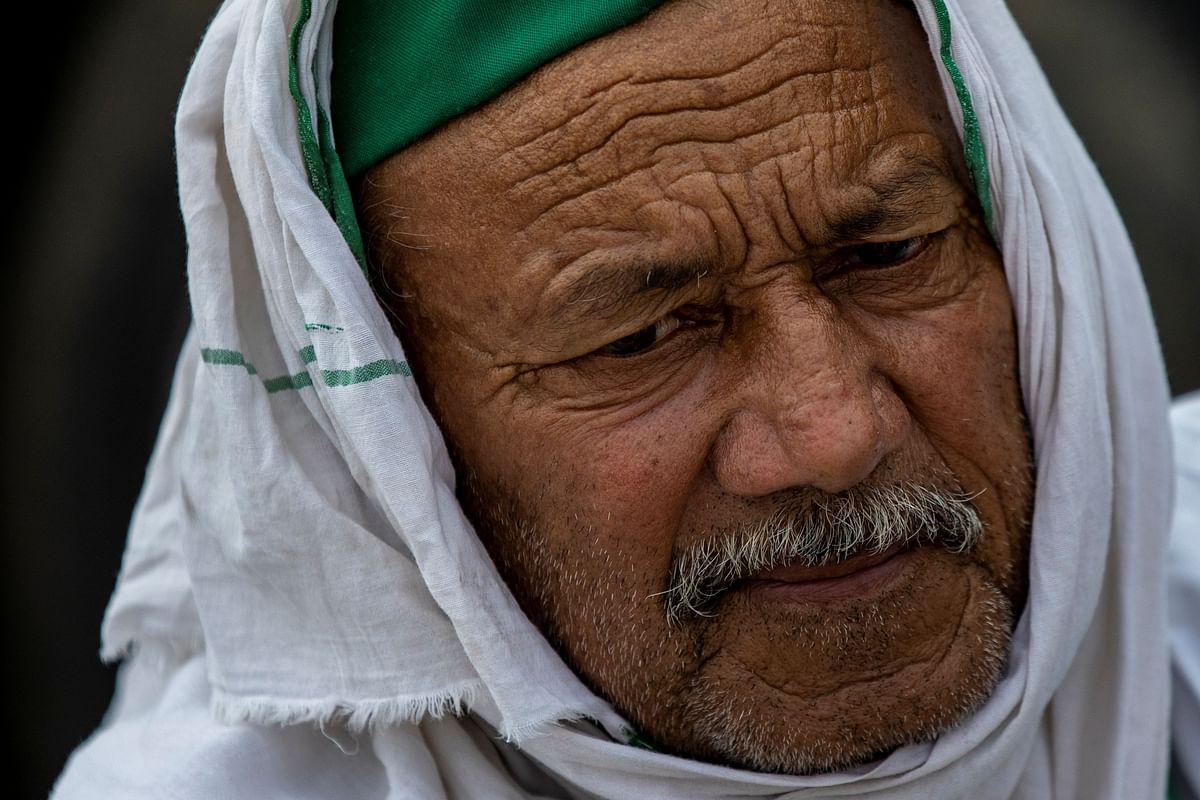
(633, 123)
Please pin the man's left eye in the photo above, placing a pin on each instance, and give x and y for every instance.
(886, 254)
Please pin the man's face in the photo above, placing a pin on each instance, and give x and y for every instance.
(711, 279)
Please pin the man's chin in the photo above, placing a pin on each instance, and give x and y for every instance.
(797, 684)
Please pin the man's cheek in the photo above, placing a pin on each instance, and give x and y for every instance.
(639, 487)
(952, 364)
(647, 461)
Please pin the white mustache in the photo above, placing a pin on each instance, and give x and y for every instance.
(816, 529)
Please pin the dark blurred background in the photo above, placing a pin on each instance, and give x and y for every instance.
(97, 297)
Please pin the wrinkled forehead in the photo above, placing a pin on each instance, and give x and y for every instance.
(845, 86)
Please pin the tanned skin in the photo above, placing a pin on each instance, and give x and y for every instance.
(682, 272)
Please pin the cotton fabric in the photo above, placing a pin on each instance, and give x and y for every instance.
(305, 602)
(1184, 600)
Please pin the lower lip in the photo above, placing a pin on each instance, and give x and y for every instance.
(857, 585)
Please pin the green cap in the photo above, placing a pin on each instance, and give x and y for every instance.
(401, 68)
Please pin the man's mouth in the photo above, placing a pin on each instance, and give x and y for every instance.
(858, 576)
(911, 522)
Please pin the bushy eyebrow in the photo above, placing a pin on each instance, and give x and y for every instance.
(896, 200)
(602, 292)
(900, 198)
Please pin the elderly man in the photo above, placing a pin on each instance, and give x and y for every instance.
(779, 414)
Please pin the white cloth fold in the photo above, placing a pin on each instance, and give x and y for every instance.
(1184, 598)
(298, 555)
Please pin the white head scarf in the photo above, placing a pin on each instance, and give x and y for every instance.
(1184, 598)
(298, 555)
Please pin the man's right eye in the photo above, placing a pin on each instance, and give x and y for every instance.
(643, 340)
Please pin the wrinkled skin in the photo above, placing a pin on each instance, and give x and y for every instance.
(713, 258)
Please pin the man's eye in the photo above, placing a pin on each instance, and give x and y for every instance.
(886, 254)
(642, 340)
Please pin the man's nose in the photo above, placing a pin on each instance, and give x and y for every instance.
(809, 408)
